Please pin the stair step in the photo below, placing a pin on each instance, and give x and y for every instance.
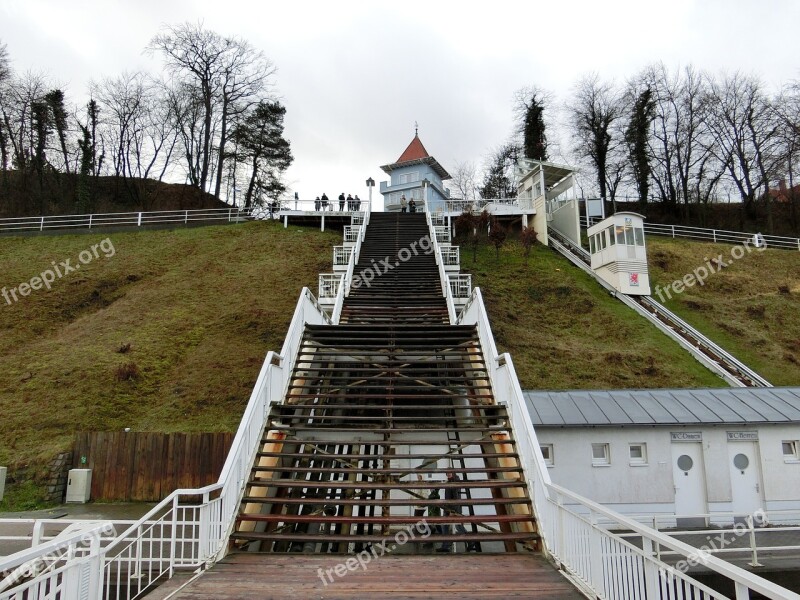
(410, 501)
(377, 539)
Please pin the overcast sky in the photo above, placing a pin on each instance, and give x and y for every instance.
(355, 76)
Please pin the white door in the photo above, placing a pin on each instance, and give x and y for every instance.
(745, 477)
(689, 478)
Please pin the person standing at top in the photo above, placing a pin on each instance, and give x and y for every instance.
(403, 203)
(350, 203)
(324, 200)
(317, 204)
(412, 206)
(341, 202)
(357, 203)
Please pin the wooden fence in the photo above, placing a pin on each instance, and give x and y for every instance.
(138, 466)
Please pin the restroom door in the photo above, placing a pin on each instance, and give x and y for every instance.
(689, 479)
(745, 478)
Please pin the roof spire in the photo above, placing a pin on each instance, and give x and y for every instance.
(416, 128)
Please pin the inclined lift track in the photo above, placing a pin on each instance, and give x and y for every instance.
(727, 366)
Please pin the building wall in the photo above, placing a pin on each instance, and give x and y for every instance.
(392, 190)
(649, 488)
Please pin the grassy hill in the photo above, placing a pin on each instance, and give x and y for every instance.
(167, 332)
(565, 332)
(199, 308)
(751, 307)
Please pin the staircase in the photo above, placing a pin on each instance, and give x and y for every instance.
(390, 393)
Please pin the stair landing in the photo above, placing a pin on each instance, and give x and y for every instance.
(458, 576)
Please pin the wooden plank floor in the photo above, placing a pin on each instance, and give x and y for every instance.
(467, 576)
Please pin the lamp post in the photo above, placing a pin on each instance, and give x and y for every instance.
(425, 183)
(370, 185)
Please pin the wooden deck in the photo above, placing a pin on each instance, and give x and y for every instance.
(465, 576)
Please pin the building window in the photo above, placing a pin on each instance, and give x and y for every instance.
(639, 232)
(592, 249)
(637, 453)
(791, 451)
(600, 455)
(610, 231)
(547, 454)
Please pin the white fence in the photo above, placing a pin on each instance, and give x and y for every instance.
(442, 233)
(711, 235)
(604, 563)
(451, 255)
(344, 289)
(188, 529)
(461, 286)
(127, 219)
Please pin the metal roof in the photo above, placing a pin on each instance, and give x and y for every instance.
(597, 408)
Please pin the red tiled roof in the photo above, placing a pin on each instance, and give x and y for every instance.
(415, 151)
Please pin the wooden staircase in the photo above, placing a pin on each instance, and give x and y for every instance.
(391, 392)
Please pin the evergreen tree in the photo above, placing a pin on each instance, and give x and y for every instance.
(636, 137)
(260, 142)
(533, 129)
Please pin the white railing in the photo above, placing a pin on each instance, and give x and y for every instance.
(451, 255)
(123, 219)
(341, 255)
(344, 290)
(461, 286)
(329, 284)
(442, 233)
(351, 233)
(190, 527)
(443, 279)
(710, 235)
(604, 563)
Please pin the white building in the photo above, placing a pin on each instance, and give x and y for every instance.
(674, 452)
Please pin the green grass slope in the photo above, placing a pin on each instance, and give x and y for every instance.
(199, 307)
(565, 332)
(751, 307)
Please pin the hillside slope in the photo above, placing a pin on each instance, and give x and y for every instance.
(199, 307)
(750, 307)
(565, 332)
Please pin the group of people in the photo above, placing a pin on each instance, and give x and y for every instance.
(451, 492)
(407, 205)
(353, 204)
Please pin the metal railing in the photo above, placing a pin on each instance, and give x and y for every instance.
(190, 527)
(341, 255)
(344, 290)
(123, 219)
(329, 285)
(460, 286)
(604, 563)
(443, 278)
(351, 233)
(710, 235)
(442, 233)
(451, 255)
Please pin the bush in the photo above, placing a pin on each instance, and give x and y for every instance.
(127, 372)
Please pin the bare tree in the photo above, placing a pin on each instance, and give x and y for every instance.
(227, 75)
(677, 145)
(464, 178)
(595, 108)
(744, 128)
(5, 76)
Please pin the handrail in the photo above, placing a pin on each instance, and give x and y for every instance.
(190, 527)
(711, 235)
(444, 279)
(124, 219)
(344, 287)
(594, 557)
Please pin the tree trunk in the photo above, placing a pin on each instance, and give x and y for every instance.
(223, 137)
(206, 138)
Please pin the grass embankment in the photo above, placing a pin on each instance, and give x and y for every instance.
(751, 307)
(199, 308)
(565, 332)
